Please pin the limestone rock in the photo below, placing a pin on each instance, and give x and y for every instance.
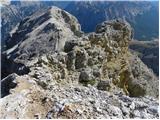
(81, 58)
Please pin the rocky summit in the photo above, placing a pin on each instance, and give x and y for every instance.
(55, 70)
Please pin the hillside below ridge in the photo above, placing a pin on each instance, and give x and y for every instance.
(148, 52)
(55, 70)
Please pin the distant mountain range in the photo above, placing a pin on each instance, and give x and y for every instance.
(143, 16)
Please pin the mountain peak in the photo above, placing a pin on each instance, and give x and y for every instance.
(53, 8)
(54, 25)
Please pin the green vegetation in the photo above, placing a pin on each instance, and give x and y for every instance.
(86, 82)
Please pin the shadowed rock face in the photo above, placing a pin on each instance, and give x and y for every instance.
(7, 84)
(62, 62)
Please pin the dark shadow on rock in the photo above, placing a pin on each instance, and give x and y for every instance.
(7, 84)
(9, 67)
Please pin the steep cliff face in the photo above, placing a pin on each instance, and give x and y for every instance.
(13, 13)
(75, 75)
(89, 14)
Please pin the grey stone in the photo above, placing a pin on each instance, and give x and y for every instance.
(71, 56)
(81, 58)
(69, 45)
(104, 85)
(153, 109)
(86, 76)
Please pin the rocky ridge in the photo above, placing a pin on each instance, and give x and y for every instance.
(85, 76)
(44, 32)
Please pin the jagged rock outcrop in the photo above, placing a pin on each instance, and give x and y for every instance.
(64, 82)
(138, 14)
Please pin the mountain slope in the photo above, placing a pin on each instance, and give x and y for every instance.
(41, 33)
(148, 51)
(16, 11)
